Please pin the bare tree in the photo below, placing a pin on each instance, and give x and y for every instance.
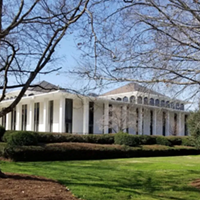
(121, 118)
(146, 41)
(30, 31)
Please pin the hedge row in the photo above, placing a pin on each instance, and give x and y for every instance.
(137, 140)
(20, 138)
(56, 138)
(77, 151)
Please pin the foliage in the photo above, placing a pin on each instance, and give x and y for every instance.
(126, 139)
(21, 138)
(78, 151)
(2, 131)
(162, 140)
(194, 127)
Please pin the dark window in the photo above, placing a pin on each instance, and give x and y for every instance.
(164, 124)
(24, 117)
(127, 120)
(132, 99)
(3, 121)
(36, 116)
(50, 116)
(137, 119)
(13, 119)
(157, 103)
(186, 127)
(182, 107)
(139, 100)
(172, 105)
(177, 106)
(68, 115)
(91, 117)
(163, 103)
(152, 102)
(118, 99)
(125, 99)
(175, 124)
(167, 104)
(151, 122)
(110, 119)
(146, 100)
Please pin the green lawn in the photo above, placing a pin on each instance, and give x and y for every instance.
(121, 179)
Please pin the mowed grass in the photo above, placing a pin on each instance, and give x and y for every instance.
(120, 179)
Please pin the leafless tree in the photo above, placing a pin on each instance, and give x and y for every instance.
(121, 118)
(30, 32)
(146, 41)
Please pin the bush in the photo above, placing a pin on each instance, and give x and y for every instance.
(174, 140)
(188, 141)
(2, 131)
(162, 140)
(126, 139)
(77, 151)
(65, 137)
(21, 138)
(147, 139)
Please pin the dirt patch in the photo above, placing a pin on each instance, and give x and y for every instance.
(196, 184)
(25, 187)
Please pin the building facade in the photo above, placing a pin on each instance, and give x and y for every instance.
(131, 108)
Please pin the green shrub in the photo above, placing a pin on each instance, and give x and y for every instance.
(147, 139)
(65, 137)
(174, 140)
(194, 127)
(21, 138)
(6, 135)
(2, 131)
(162, 140)
(77, 151)
(127, 139)
(187, 141)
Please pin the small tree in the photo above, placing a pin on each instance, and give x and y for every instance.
(194, 127)
(119, 118)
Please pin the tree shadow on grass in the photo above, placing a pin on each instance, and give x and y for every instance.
(140, 183)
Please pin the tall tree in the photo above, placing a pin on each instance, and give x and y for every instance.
(30, 31)
(147, 41)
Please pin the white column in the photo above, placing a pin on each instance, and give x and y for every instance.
(180, 124)
(31, 115)
(62, 115)
(18, 117)
(8, 121)
(106, 118)
(140, 121)
(167, 123)
(85, 116)
(154, 121)
(46, 115)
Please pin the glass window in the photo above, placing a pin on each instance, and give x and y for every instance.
(157, 103)
(139, 100)
(24, 117)
(146, 101)
(182, 107)
(163, 103)
(152, 102)
(132, 99)
(125, 99)
(13, 119)
(69, 115)
(36, 116)
(50, 116)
